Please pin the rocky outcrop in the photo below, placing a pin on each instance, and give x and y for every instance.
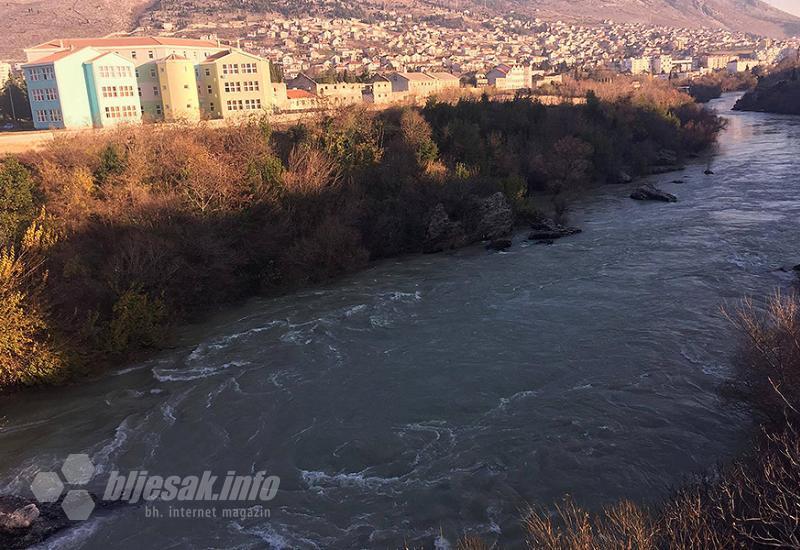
(548, 230)
(493, 218)
(650, 193)
(624, 177)
(23, 523)
(443, 233)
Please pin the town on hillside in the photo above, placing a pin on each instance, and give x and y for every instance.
(236, 65)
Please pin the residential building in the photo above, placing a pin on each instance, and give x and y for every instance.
(741, 65)
(662, 64)
(5, 73)
(233, 83)
(636, 65)
(81, 88)
(336, 94)
(178, 88)
(507, 77)
(379, 91)
(416, 85)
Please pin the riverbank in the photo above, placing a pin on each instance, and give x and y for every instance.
(111, 240)
(431, 396)
(778, 92)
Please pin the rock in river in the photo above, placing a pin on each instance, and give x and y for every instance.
(443, 233)
(492, 219)
(548, 230)
(650, 193)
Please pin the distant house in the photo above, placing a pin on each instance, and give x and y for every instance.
(379, 91)
(413, 84)
(445, 81)
(336, 94)
(506, 77)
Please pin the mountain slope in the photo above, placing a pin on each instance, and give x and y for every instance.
(30, 22)
(753, 16)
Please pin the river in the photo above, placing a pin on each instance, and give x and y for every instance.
(432, 396)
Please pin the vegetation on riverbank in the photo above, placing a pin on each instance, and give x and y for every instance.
(753, 503)
(713, 85)
(777, 92)
(108, 239)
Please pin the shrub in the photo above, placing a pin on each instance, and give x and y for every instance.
(17, 199)
(137, 321)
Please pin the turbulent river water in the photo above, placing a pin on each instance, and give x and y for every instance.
(433, 396)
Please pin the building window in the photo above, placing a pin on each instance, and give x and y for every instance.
(235, 105)
(133, 54)
(185, 86)
(49, 73)
(139, 89)
(150, 54)
(51, 94)
(137, 73)
(158, 109)
(155, 90)
(249, 68)
(252, 104)
(230, 69)
(210, 90)
(233, 87)
(41, 116)
(251, 86)
(152, 73)
(38, 95)
(208, 72)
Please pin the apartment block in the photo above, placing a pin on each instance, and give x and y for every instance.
(80, 88)
(171, 78)
(233, 83)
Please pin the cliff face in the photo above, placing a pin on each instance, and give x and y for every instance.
(776, 93)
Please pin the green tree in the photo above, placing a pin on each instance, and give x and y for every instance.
(17, 199)
(14, 103)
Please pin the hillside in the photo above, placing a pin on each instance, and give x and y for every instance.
(29, 22)
(753, 16)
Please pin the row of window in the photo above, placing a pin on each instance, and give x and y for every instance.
(48, 115)
(235, 68)
(41, 73)
(122, 111)
(247, 86)
(44, 94)
(243, 104)
(117, 91)
(111, 71)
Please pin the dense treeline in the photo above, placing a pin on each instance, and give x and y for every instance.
(777, 92)
(107, 239)
(712, 86)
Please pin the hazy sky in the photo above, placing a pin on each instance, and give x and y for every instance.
(792, 6)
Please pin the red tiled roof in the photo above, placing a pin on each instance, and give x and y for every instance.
(124, 41)
(53, 57)
(299, 94)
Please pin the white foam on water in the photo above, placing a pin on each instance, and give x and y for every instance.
(185, 375)
(268, 535)
(72, 537)
(356, 479)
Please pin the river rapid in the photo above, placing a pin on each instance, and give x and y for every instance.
(432, 396)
